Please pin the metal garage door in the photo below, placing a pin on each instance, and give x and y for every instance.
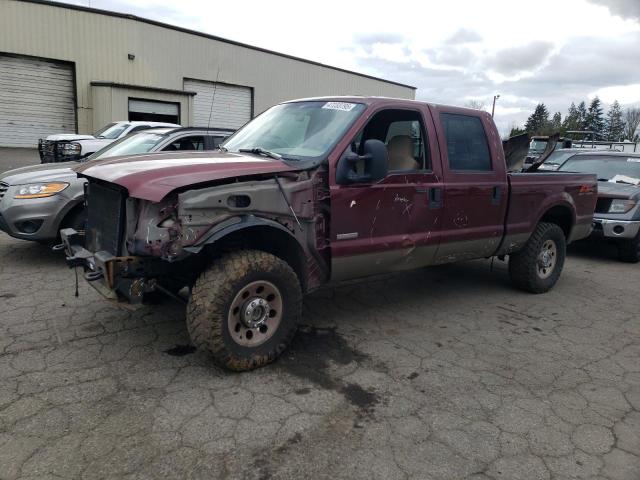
(153, 111)
(36, 100)
(231, 106)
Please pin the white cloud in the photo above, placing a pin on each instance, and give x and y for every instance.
(625, 94)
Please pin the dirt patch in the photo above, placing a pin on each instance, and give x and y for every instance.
(320, 345)
(364, 400)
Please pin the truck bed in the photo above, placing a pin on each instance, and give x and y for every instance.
(532, 194)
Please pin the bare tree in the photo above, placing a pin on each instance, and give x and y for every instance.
(632, 122)
(475, 104)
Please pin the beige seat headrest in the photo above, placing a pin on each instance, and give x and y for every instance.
(400, 150)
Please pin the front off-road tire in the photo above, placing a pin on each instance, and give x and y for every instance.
(537, 267)
(629, 250)
(244, 309)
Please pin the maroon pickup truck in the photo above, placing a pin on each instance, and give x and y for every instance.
(315, 191)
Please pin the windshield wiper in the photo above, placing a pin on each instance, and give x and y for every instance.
(222, 149)
(261, 151)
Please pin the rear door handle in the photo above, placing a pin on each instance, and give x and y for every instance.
(435, 197)
(497, 195)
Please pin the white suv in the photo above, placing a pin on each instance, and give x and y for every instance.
(70, 146)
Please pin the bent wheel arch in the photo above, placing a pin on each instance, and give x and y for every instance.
(256, 233)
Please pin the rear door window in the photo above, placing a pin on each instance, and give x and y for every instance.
(467, 147)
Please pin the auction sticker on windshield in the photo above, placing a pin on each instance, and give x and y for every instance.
(345, 107)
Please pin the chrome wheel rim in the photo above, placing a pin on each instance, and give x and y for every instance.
(547, 259)
(255, 313)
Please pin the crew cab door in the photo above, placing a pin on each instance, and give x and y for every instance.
(475, 184)
(392, 224)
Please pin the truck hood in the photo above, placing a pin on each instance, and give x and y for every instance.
(46, 172)
(70, 137)
(617, 190)
(153, 176)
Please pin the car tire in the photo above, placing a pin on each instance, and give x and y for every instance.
(537, 267)
(244, 309)
(629, 250)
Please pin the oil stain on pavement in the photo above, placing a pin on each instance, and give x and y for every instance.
(310, 357)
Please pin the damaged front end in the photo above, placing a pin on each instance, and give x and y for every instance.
(135, 247)
(107, 263)
(113, 276)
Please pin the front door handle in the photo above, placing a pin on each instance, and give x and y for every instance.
(435, 197)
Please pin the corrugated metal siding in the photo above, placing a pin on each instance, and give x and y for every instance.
(99, 44)
(231, 104)
(36, 100)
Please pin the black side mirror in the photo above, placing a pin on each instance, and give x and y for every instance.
(376, 164)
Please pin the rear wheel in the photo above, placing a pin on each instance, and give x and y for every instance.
(537, 267)
(244, 309)
(629, 250)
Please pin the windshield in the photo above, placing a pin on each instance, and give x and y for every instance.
(113, 130)
(538, 145)
(604, 167)
(557, 158)
(129, 145)
(297, 131)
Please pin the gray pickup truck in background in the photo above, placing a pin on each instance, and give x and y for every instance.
(617, 213)
(37, 201)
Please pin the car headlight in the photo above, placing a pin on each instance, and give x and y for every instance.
(40, 190)
(620, 205)
(71, 148)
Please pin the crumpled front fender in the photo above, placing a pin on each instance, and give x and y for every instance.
(232, 225)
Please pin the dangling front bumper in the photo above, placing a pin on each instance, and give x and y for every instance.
(116, 278)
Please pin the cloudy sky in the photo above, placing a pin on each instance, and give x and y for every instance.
(551, 51)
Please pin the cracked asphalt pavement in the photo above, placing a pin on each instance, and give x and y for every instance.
(442, 373)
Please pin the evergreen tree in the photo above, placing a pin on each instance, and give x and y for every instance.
(614, 124)
(516, 130)
(538, 121)
(594, 120)
(572, 120)
(556, 123)
(582, 116)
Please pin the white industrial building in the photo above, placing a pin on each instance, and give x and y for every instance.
(66, 68)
